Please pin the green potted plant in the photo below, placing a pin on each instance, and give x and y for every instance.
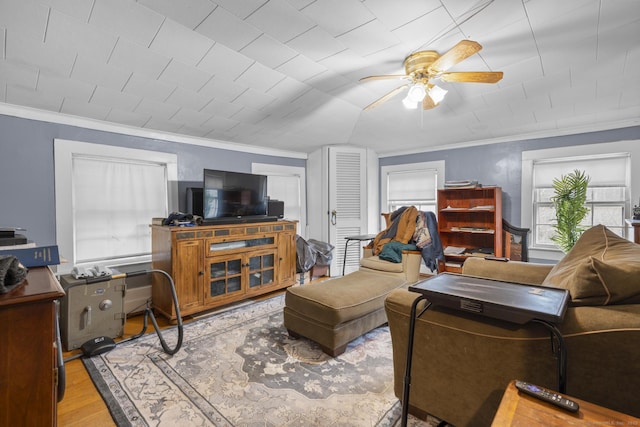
(570, 195)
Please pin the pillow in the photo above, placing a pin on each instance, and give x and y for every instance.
(617, 283)
(602, 268)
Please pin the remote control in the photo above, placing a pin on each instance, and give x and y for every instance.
(547, 396)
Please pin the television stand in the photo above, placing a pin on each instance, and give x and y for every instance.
(214, 265)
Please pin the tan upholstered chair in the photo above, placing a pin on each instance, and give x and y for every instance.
(409, 268)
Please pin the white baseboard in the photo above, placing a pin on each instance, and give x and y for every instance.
(135, 300)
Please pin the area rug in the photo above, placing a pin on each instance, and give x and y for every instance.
(241, 368)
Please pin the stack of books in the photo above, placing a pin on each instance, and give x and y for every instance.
(462, 184)
(29, 253)
(10, 238)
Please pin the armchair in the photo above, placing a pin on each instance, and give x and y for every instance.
(408, 268)
(463, 362)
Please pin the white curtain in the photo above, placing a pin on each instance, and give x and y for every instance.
(417, 187)
(114, 201)
(604, 171)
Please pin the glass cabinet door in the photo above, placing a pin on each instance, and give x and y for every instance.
(225, 276)
(261, 269)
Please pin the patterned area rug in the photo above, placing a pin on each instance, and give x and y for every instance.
(240, 368)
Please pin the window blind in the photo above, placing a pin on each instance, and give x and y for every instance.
(412, 185)
(114, 201)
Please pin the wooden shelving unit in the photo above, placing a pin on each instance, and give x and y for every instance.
(469, 224)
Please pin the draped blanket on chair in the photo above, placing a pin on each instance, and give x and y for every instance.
(410, 229)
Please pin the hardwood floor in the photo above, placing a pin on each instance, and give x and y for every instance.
(82, 404)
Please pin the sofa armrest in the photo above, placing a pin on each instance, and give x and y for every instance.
(511, 271)
(411, 261)
(367, 252)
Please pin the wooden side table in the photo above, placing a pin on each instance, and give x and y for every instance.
(520, 409)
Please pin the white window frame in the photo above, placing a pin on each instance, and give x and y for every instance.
(281, 170)
(438, 165)
(528, 158)
(64, 152)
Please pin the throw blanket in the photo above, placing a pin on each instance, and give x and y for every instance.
(431, 249)
(392, 251)
(410, 229)
(401, 228)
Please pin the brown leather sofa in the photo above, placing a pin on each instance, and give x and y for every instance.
(463, 362)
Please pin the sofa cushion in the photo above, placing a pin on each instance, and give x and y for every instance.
(602, 268)
(375, 263)
(342, 299)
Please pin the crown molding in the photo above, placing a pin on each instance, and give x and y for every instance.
(94, 124)
(576, 130)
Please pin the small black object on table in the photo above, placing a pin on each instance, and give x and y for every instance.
(513, 302)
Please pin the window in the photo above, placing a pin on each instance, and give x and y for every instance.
(105, 199)
(612, 166)
(412, 185)
(606, 195)
(287, 184)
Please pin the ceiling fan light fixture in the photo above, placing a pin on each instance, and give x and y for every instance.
(409, 103)
(437, 94)
(416, 92)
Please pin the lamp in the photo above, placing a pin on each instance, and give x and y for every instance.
(417, 92)
(415, 95)
(409, 104)
(436, 93)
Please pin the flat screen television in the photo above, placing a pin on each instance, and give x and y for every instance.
(234, 197)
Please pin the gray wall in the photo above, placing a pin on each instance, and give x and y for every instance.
(501, 164)
(27, 193)
(27, 196)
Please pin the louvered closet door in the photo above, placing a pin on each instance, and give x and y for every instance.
(347, 204)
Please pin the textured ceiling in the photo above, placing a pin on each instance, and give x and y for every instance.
(284, 73)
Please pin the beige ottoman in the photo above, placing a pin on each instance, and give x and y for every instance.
(335, 312)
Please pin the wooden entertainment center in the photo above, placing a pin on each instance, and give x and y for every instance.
(214, 265)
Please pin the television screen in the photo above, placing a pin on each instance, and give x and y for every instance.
(233, 195)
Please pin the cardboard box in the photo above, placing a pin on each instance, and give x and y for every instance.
(319, 270)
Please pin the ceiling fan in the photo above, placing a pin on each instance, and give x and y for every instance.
(426, 65)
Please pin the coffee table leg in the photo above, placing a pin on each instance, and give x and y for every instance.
(407, 370)
(560, 353)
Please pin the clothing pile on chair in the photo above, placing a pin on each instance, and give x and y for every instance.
(410, 229)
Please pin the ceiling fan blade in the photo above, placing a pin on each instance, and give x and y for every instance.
(462, 50)
(473, 77)
(384, 77)
(427, 103)
(385, 98)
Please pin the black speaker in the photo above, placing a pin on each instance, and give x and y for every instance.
(194, 201)
(275, 208)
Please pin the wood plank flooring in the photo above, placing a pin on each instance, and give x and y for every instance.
(82, 404)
